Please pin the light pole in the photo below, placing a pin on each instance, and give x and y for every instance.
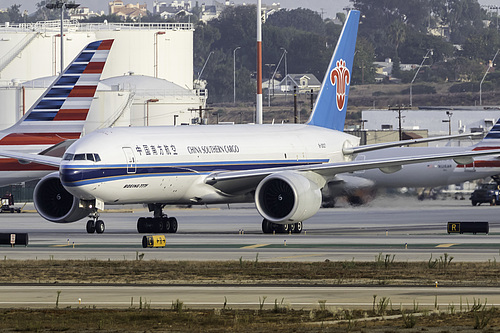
(274, 73)
(431, 51)
(62, 5)
(156, 51)
(234, 74)
(449, 114)
(269, 68)
(203, 68)
(491, 64)
(286, 72)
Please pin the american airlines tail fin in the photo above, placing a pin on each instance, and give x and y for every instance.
(491, 140)
(331, 104)
(61, 111)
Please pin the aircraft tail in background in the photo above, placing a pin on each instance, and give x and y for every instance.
(60, 113)
(331, 104)
(491, 140)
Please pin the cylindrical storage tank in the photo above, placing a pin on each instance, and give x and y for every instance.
(10, 100)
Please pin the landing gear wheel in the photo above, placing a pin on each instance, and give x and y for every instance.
(99, 226)
(141, 225)
(266, 227)
(298, 228)
(166, 224)
(90, 226)
(158, 226)
(173, 225)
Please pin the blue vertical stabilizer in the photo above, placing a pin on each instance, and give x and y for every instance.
(331, 104)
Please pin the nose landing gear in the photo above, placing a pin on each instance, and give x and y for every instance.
(95, 225)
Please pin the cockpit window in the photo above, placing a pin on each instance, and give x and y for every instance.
(79, 157)
(68, 157)
(82, 157)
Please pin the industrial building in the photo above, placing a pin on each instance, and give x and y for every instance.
(147, 80)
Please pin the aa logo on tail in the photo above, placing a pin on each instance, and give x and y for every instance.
(340, 77)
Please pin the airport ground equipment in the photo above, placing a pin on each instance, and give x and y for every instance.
(468, 227)
(154, 241)
(13, 239)
(8, 204)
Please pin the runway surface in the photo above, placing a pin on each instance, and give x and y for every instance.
(406, 228)
(409, 229)
(208, 297)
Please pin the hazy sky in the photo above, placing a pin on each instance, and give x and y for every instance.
(329, 7)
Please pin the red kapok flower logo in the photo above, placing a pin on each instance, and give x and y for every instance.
(340, 77)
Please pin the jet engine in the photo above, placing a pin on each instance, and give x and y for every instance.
(287, 197)
(54, 203)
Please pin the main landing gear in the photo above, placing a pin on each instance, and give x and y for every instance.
(269, 227)
(95, 225)
(159, 223)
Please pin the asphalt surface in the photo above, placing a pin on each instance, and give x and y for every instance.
(410, 229)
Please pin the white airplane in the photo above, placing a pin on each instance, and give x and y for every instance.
(282, 168)
(56, 119)
(359, 186)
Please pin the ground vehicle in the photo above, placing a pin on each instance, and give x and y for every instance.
(486, 193)
(8, 204)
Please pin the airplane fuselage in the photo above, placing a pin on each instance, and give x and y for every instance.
(170, 164)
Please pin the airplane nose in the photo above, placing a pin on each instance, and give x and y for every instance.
(70, 175)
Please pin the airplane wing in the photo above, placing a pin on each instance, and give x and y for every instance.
(238, 181)
(25, 158)
(376, 146)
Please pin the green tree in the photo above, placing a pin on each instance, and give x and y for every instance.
(363, 68)
(300, 19)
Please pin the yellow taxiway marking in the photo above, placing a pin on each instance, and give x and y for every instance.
(254, 246)
(301, 256)
(446, 245)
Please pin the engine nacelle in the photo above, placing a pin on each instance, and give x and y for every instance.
(287, 197)
(54, 203)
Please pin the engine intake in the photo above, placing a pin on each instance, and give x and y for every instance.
(287, 197)
(54, 203)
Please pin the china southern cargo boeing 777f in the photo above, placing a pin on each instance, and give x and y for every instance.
(282, 168)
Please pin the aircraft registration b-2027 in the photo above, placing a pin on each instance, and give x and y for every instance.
(280, 167)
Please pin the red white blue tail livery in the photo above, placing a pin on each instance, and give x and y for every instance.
(58, 115)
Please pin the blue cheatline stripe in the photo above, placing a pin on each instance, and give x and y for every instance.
(215, 165)
(73, 175)
(59, 92)
(52, 104)
(67, 80)
(41, 116)
(128, 176)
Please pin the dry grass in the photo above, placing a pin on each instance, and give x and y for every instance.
(383, 270)
(218, 320)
